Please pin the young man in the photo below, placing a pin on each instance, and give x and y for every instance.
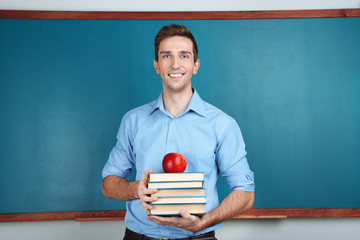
(178, 121)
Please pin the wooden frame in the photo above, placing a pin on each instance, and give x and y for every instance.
(94, 15)
(331, 13)
(257, 213)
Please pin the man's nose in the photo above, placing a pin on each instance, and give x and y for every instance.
(175, 63)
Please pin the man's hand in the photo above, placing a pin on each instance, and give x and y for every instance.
(235, 203)
(143, 191)
(186, 221)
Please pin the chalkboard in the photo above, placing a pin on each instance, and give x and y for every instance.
(293, 86)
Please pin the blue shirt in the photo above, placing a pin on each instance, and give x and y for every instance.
(209, 139)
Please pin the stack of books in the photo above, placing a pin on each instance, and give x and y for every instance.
(177, 191)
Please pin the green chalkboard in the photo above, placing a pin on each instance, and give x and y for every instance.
(293, 85)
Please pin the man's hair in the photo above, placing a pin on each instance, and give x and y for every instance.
(172, 31)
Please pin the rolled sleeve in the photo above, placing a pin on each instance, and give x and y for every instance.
(116, 166)
(231, 158)
(121, 158)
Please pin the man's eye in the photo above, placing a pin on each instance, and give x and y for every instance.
(166, 56)
(184, 56)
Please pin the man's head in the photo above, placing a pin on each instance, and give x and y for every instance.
(176, 58)
(172, 31)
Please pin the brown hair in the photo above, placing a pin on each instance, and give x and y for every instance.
(172, 31)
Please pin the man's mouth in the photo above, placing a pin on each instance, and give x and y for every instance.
(176, 75)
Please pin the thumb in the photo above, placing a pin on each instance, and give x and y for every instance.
(145, 176)
(184, 213)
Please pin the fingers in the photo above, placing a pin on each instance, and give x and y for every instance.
(144, 192)
(186, 221)
(147, 207)
(187, 216)
(146, 199)
(163, 220)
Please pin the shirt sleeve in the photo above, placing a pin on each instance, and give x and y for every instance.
(231, 159)
(121, 159)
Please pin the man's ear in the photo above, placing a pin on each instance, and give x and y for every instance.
(156, 66)
(196, 66)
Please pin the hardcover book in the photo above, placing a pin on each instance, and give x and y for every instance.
(176, 177)
(181, 192)
(179, 200)
(167, 210)
(172, 185)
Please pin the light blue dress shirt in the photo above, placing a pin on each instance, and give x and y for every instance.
(209, 139)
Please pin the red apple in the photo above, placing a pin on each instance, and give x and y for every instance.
(174, 163)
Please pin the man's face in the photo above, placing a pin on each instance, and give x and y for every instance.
(176, 64)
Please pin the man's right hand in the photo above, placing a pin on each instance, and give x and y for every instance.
(144, 192)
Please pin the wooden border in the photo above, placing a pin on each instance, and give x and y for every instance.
(59, 216)
(84, 15)
(258, 213)
(198, 15)
(300, 212)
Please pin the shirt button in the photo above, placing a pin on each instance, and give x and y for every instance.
(171, 140)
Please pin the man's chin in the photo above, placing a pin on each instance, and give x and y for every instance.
(178, 88)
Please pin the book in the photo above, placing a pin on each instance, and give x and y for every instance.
(176, 177)
(181, 192)
(174, 209)
(173, 185)
(179, 200)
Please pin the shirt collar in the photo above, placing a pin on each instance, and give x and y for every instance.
(157, 104)
(196, 104)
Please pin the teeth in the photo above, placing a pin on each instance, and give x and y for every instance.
(175, 75)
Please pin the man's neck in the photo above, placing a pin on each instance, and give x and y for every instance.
(175, 103)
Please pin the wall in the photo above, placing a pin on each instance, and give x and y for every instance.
(185, 5)
(256, 229)
(298, 228)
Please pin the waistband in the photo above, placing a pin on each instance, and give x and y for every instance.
(136, 236)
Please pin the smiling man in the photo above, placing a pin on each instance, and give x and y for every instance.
(176, 65)
(178, 121)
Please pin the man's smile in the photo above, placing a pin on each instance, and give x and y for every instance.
(176, 75)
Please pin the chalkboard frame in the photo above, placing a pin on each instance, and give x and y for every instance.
(178, 15)
(97, 15)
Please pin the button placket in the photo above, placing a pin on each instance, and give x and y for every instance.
(171, 137)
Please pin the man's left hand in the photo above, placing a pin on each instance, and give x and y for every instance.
(186, 221)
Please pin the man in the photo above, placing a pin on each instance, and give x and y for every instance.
(178, 121)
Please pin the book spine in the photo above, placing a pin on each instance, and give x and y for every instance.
(167, 177)
(185, 181)
(175, 185)
(189, 203)
(180, 200)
